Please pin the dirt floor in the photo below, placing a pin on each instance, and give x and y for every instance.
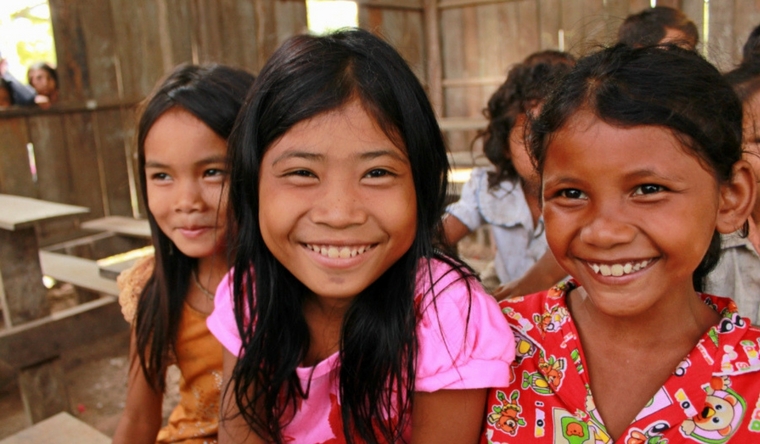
(97, 373)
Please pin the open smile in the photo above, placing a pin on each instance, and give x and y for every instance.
(620, 268)
(339, 251)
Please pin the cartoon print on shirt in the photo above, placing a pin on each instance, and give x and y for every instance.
(552, 320)
(683, 366)
(652, 434)
(505, 416)
(723, 411)
(524, 347)
(569, 429)
(549, 377)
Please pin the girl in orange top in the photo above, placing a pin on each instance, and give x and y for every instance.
(182, 153)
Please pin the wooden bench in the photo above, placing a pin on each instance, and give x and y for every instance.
(59, 429)
(119, 224)
(80, 272)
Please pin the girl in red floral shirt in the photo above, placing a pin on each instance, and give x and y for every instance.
(640, 157)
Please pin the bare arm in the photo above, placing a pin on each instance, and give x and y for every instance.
(448, 416)
(453, 229)
(542, 275)
(141, 419)
(232, 427)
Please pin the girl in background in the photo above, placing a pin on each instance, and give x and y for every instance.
(506, 196)
(44, 79)
(182, 157)
(738, 271)
(342, 320)
(639, 152)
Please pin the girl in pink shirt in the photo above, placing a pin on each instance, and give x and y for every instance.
(354, 326)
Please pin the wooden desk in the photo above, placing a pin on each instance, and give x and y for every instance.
(59, 429)
(22, 294)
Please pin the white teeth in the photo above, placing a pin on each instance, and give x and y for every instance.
(335, 252)
(618, 269)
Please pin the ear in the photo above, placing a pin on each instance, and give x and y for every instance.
(737, 198)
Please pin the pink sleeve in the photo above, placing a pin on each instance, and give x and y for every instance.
(221, 321)
(460, 350)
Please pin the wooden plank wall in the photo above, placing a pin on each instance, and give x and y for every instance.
(110, 55)
(475, 42)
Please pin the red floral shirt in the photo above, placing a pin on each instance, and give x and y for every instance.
(711, 397)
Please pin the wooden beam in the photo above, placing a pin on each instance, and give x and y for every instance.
(60, 331)
(434, 64)
(477, 81)
(464, 3)
(394, 4)
(462, 123)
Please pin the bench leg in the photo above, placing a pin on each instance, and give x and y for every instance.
(43, 390)
(25, 296)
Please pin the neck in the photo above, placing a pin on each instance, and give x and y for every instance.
(211, 269)
(652, 329)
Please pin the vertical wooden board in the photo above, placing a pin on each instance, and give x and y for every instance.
(636, 6)
(178, 19)
(615, 11)
(529, 40)
(228, 27)
(452, 59)
(746, 18)
(594, 25)
(472, 58)
(694, 10)
(572, 25)
(83, 158)
(403, 29)
(290, 18)
(113, 152)
(549, 22)
(669, 3)
(492, 47)
(208, 23)
(129, 119)
(100, 48)
(15, 173)
(720, 47)
(53, 170)
(236, 18)
(71, 50)
(139, 45)
(266, 30)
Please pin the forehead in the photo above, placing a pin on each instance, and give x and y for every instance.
(588, 143)
(344, 131)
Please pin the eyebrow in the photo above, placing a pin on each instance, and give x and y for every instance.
(369, 155)
(204, 161)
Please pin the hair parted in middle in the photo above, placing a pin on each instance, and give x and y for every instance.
(305, 77)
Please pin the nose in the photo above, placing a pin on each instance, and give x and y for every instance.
(188, 197)
(338, 204)
(608, 226)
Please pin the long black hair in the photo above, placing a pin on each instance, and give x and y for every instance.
(304, 78)
(214, 95)
(664, 86)
(527, 85)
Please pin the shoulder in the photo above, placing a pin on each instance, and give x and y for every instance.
(540, 313)
(131, 283)
(464, 341)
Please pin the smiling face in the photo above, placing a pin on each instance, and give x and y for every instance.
(629, 212)
(337, 202)
(185, 171)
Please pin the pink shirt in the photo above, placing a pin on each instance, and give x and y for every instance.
(454, 352)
